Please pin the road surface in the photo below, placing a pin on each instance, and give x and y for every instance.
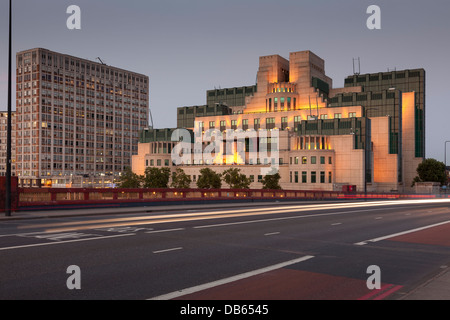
(304, 251)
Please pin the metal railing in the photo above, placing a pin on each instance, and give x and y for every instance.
(52, 198)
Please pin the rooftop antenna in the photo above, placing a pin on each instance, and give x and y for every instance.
(317, 104)
(98, 58)
(359, 66)
(151, 117)
(310, 113)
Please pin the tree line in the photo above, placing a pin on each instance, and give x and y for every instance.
(208, 179)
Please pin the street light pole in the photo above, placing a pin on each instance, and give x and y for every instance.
(9, 130)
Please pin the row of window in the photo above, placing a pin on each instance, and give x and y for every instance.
(314, 177)
(151, 162)
(313, 160)
(270, 122)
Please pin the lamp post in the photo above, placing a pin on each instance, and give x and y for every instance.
(9, 130)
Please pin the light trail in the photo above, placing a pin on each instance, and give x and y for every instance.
(166, 218)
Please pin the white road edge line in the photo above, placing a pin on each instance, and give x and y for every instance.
(272, 234)
(213, 284)
(167, 250)
(64, 242)
(362, 243)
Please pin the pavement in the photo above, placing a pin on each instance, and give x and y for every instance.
(436, 288)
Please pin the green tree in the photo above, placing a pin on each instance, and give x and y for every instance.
(156, 177)
(235, 179)
(209, 179)
(180, 180)
(271, 182)
(431, 170)
(129, 180)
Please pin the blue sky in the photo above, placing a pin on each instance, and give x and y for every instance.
(188, 47)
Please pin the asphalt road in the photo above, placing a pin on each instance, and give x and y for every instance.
(271, 252)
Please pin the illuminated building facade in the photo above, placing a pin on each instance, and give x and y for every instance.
(77, 121)
(369, 134)
(3, 142)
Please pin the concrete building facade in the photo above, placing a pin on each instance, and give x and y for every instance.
(3, 142)
(77, 121)
(369, 134)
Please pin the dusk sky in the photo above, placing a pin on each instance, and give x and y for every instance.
(188, 47)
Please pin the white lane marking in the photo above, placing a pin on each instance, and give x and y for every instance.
(272, 234)
(336, 224)
(167, 250)
(63, 242)
(213, 284)
(168, 230)
(362, 243)
(63, 236)
(378, 218)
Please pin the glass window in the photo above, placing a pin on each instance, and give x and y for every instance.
(313, 160)
(270, 123)
(304, 177)
(322, 160)
(284, 123)
(313, 177)
(245, 124)
(304, 160)
(322, 177)
(296, 176)
(256, 124)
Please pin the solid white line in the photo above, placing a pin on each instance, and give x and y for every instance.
(401, 233)
(168, 230)
(213, 284)
(272, 234)
(167, 250)
(64, 242)
(336, 224)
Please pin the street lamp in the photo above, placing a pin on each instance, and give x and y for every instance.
(9, 130)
